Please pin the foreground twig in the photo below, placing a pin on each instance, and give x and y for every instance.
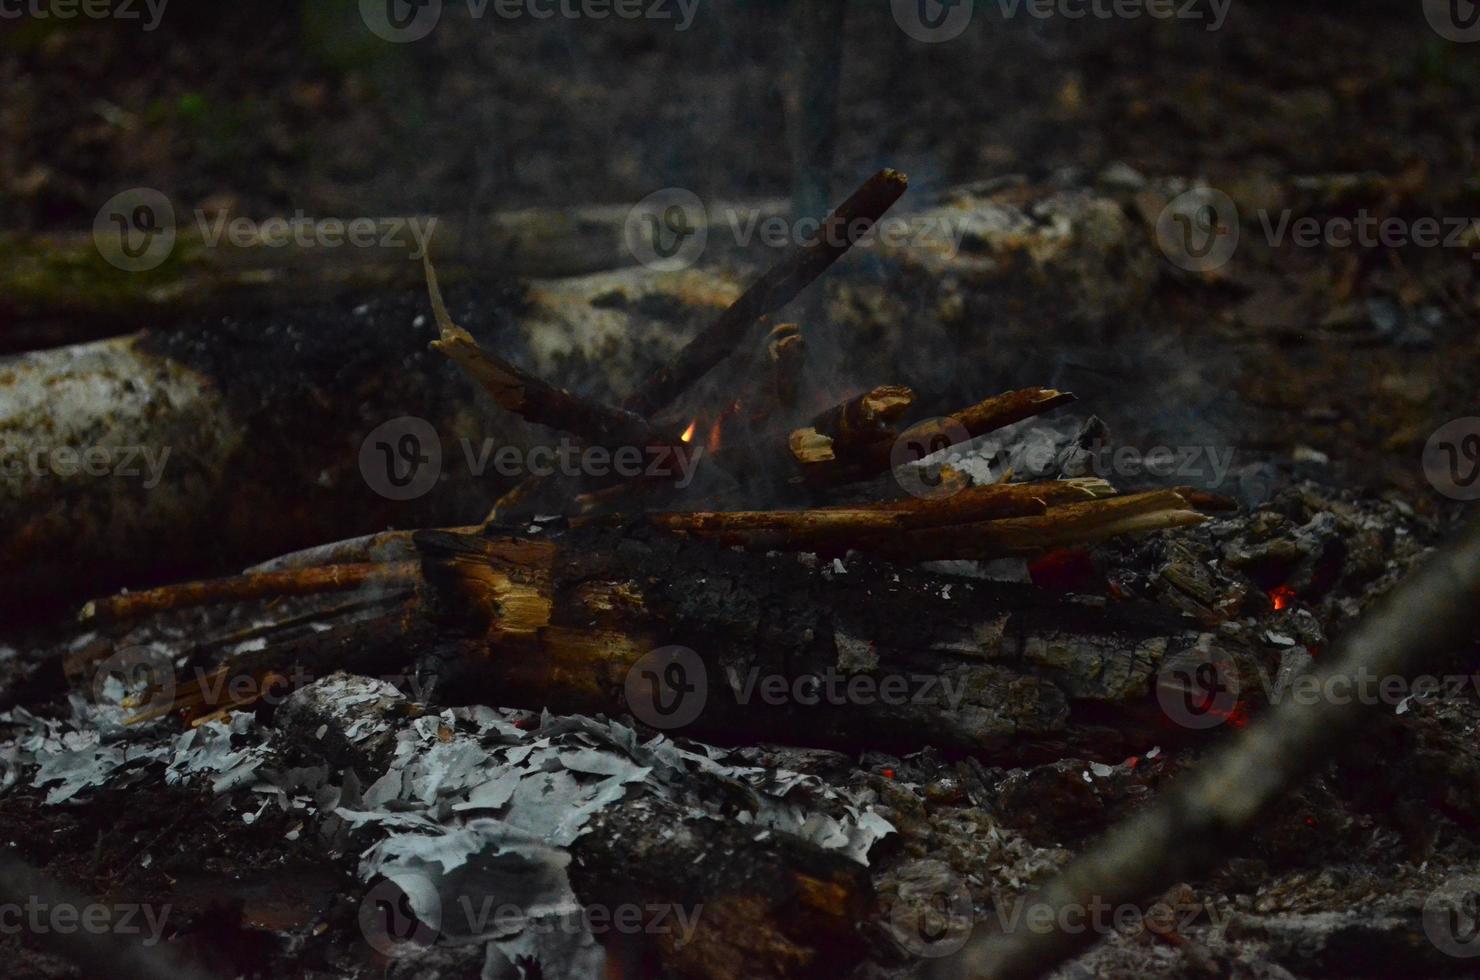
(1199, 820)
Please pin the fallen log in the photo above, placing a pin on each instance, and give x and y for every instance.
(57, 288)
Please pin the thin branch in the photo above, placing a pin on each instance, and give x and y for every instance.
(773, 290)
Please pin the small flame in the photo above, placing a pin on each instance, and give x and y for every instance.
(688, 433)
(1280, 596)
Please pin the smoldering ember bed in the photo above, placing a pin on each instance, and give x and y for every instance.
(745, 490)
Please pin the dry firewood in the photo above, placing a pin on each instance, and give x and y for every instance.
(979, 503)
(826, 464)
(1207, 501)
(383, 547)
(535, 400)
(1200, 820)
(787, 350)
(1069, 524)
(256, 585)
(863, 419)
(930, 530)
(773, 290)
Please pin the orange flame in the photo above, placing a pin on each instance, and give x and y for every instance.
(1280, 596)
(689, 432)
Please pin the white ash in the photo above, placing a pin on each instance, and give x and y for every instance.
(469, 807)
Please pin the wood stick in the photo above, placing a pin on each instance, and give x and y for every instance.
(993, 500)
(535, 400)
(864, 419)
(382, 547)
(773, 290)
(257, 585)
(824, 464)
(1070, 524)
(930, 530)
(1202, 818)
(788, 352)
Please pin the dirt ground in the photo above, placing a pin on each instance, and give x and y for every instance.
(1333, 364)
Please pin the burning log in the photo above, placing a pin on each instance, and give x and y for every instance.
(565, 622)
(778, 286)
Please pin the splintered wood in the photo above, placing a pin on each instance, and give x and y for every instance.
(857, 439)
